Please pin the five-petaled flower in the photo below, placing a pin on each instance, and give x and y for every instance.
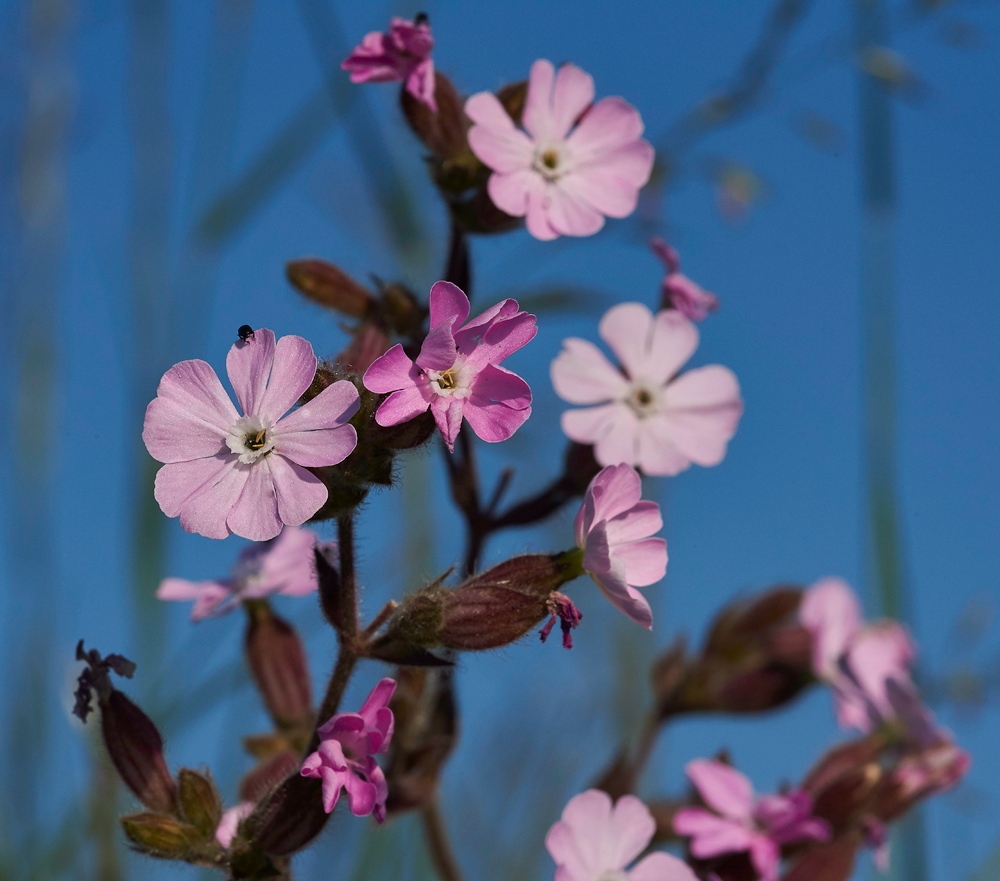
(614, 528)
(348, 743)
(678, 291)
(225, 473)
(457, 372)
(282, 565)
(742, 822)
(867, 665)
(578, 162)
(402, 55)
(646, 415)
(595, 841)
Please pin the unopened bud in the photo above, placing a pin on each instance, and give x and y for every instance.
(741, 626)
(843, 759)
(402, 310)
(161, 836)
(290, 817)
(512, 97)
(667, 674)
(199, 801)
(443, 132)
(136, 749)
(843, 799)
(329, 286)
(920, 775)
(829, 861)
(581, 466)
(761, 688)
(404, 436)
(279, 667)
(268, 774)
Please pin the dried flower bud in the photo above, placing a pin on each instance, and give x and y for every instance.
(136, 749)
(199, 801)
(279, 667)
(426, 729)
(443, 132)
(161, 836)
(329, 286)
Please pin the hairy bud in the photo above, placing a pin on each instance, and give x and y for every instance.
(443, 132)
(329, 286)
(278, 664)
(199, 801)
(136, 749)
(369, 342)
(830, 861)
(290, 817)
(161, 836)
(268, 774)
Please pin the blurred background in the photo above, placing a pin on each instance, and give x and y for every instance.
(828, 169)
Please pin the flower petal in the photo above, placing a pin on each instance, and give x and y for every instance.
(448, 305)
(723, 788)
(632, 827)
(656, 454)
(537, 117)
(711, 835)
(590, 424)
(661, 867)
(494, 138)
(611, 123)
(627, 329)
(831, 612)
(537, 214)
(611, 184)
(500, 385)
(404, 405)
(584, 823)
(496, 420)
(619, 446)
(702, 410)
(766, 857)
(255, 514)
(640, 521)
(617, 489)
(314, 449)
(568, 213)
(299, 493)
(438, 350)
(249, 366)
(581, 374)
(645, 561)
(331, 408)
(512, 191)
(447, 414)
(572, 95)
(391, 372)
(292, 373)
(195, 388)
(500, 340)
(361, 795)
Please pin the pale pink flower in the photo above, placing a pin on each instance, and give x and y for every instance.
(402, 55)
(226, 473)
(282, 565)
(595, 841)
(457, 372)
(743, 822)
(679, 292)
(348, 743)
(230, 822)
(858, 660)
(646, 415)
(614, 528)
(578, 162)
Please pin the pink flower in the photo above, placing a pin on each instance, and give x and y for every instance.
(858, 661)
(283, 565)
(614, 527)
(646, 415)
(578, 162)
(401, 55)
(679, 292)
(344, 758)
(456, 373)
(230, 822)
(595, 842)
(743, 822)
(226, 473)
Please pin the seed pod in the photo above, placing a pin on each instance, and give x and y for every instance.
(443, 132)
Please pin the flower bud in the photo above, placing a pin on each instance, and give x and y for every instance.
(668, 673)
(402, 310)
(368, 343)
(443, 132)
(513, 96)
(761, 688)
(404, 436)
(741, 626)
(136, 749)
(279, 667)
(919, 775)
(290, 817)
(329, 286)
(199, 801)
(268, 774)
(829, 861)
(844, 799)
(161, 836)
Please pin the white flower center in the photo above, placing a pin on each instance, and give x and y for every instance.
(454, 382)
(250, 438)
(551, 161)
(644, 399)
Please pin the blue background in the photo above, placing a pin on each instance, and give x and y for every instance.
(81, 357)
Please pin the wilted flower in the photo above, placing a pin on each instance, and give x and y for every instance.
(647, 416)
(348, 743)
(595, 841)
(457, 372)
(227, 473)
(282, 565)
(578, 162)
(614, 528)
(859, 661)
(742, 822)
(679, 292)
(403, 54)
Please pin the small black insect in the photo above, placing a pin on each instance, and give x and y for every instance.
(246, 333)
